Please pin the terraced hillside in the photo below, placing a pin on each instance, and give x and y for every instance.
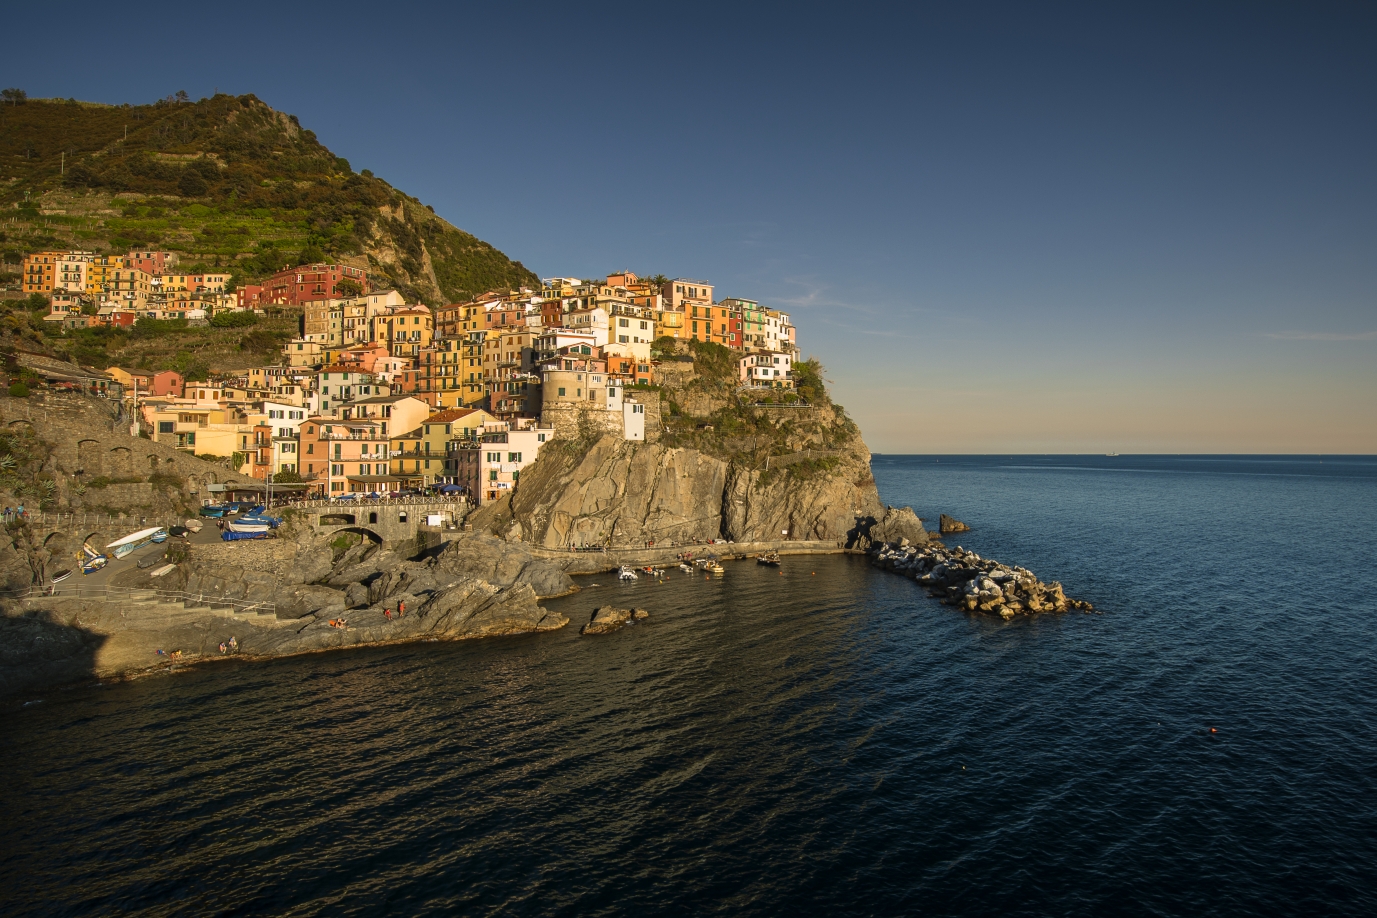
(226, 182)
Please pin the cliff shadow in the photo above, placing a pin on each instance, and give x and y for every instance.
(38, 652)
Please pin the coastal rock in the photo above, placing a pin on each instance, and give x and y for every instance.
(947, 525)
(897, 525)
(964, 579)
(607, 619)
(503, 563)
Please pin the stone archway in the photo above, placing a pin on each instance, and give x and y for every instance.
(121, 462)
(90, 458)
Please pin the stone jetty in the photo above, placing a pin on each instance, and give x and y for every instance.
(964, 579)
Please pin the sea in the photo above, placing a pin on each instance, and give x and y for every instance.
(820, 738)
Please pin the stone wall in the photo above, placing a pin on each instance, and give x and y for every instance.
(89, 439)
(572, 421)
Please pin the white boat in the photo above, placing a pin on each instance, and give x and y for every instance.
(249, 525)
(626, 573)
(686, 567)
(134, 541)
(715, 568)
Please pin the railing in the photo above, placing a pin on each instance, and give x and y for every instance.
(359, 499)
(88, 521)
(134, 594)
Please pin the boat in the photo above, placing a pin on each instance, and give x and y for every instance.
(91, 560)
(230, 535)
(1111, 454)
(626, 573)
(214, 511)
(715, 568)
(193, 524)
(248, 526)
(686, 567)
(770, 557)
(134, 541)
(61, 575)
(159, 537)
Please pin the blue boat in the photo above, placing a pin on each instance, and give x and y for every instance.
(230, 535)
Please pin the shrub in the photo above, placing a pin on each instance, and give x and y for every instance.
(18, 390)
(233, 319)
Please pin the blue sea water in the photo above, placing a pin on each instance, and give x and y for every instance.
(819, 739)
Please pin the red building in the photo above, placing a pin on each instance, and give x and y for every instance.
(303, 284)
(149, 262)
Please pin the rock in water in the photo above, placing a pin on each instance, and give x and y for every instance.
(608, 619)
(898, 525)
(947, 524)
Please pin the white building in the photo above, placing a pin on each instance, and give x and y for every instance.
(594, 321)
(768, 369)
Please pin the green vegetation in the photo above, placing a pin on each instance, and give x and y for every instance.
(229, 183)
(711, 415)
(22, 457)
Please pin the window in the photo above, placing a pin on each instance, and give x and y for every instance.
(540, 438)
(513, 457)
(561, 390)
(623, 322)
(165, 427)
(492, 474)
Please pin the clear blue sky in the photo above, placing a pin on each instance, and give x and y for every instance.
(1003, 227)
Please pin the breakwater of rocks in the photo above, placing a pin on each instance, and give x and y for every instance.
(964, 579)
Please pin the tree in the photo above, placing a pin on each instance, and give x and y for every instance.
(14, 96)
(182, 96)
(349, 287)
(191, 184)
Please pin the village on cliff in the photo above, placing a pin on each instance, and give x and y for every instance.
(377, 395)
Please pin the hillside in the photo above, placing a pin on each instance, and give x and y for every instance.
(225, 182)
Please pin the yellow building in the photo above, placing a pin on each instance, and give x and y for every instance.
(100, 274)
(404, 331)
(130, 286)
(424, 451)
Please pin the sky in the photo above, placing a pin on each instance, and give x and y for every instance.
(1002, 227)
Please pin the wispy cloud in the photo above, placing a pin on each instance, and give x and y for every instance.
(1323, 336)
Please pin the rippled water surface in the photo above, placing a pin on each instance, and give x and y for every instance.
(821, 739)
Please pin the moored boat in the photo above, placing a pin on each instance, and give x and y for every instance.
(770, 558)
(626, 573)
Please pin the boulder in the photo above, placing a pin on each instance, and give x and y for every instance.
(898, 525)
(947, 525)
(607, 619)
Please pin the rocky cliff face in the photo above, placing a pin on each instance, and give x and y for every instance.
(619, 493)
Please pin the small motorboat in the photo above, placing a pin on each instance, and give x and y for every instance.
(61, 575)
(770, 558)
(193, 524)
(242, 525)
(159, 537)
(213, 511)
(686, 567)
(626, 573)
(715, 569)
